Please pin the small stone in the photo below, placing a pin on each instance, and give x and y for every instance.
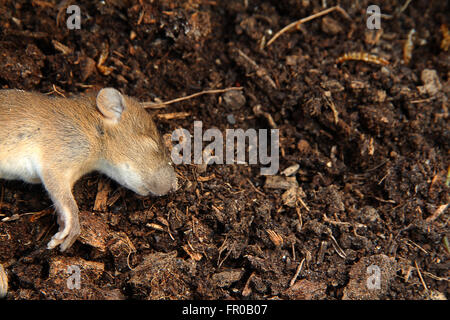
(234, 99)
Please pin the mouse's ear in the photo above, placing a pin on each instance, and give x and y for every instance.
(110, 103)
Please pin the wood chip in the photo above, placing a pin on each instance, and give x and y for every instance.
(280, 182)
(289, 171)
(62, 48)
(101, 199)
(94, 231)
(155, 226)
(194, 255)
(275, 238)
(104, 70)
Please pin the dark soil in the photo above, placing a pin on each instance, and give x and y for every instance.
(371, 141)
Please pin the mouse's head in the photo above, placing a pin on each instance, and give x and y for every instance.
(133, 152)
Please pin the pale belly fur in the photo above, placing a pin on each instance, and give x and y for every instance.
(24, 168)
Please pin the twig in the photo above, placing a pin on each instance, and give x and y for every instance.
(295, 24)
(403, 8)
(55, 90)
(156, 105)
(260, 71)
(330, 103)
(299, 214)
(299, 269)
(413, 244)
(326, 219)
(408, 46)
(337, 248)
(293, 251)
(173, 115)
(17, 216)
(255, 188)
(432, 276)
(420, 276)
(422, 100)
(303, 203)
(258, 112)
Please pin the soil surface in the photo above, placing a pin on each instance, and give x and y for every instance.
(361, 211)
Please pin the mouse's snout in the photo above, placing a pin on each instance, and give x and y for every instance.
(163, 181)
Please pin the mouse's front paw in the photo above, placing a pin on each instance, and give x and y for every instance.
(65, 237)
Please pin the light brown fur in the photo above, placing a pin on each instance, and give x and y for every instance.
(57, 140)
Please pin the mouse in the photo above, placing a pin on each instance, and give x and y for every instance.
(55, 140)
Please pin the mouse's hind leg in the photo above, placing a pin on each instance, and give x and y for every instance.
(67, 210)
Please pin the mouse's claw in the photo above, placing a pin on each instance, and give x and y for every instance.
(65, 237)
